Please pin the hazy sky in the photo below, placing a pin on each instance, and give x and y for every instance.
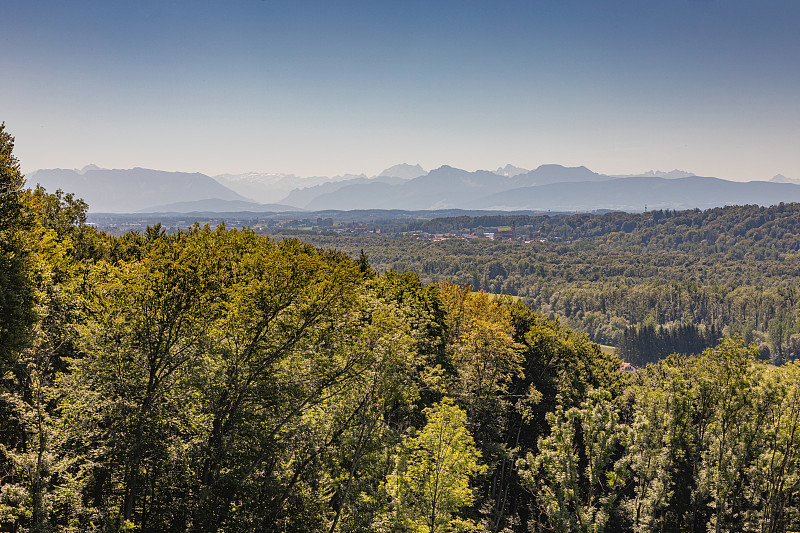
(324, 88)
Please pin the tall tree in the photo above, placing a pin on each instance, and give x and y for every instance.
(431, 480)
(774, 493)
(37, 274)
(285, 350)
(16, 291)
(144, 341)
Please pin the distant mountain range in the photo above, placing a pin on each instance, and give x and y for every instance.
(271, 188)
(409, 187)
(128, 191)
(640, 193)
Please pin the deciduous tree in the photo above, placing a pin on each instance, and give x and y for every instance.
(431, 480)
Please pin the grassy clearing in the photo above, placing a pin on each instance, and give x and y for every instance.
(607, 349)
(505, 297)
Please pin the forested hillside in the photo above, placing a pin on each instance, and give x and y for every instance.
(724, 271)
(218, 380)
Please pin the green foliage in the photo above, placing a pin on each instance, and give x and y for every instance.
(431, 479)
(218, 380)
(648, 343)
(37, 281)
(16, 291)
(704, 431)
(131, 391)
(481, 349)
(728, 268)
(577, 485)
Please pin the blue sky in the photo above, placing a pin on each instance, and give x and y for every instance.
(324, 88)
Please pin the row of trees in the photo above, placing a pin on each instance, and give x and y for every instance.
(648, 343)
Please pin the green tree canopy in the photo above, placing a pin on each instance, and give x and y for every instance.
(431, 480)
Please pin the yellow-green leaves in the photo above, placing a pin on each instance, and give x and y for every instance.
(431, 480)
(480, 344)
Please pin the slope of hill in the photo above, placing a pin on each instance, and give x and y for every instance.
(442, 188)
(127, 191)
(780, 178)
(549, 187)
(510, 171)
(555, 174)
(657, 174)
(329, 192)
(261, 187)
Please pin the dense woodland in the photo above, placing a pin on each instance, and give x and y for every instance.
(218, 380)
(726, 271)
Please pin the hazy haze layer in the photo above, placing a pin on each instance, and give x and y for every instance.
(316, 88)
